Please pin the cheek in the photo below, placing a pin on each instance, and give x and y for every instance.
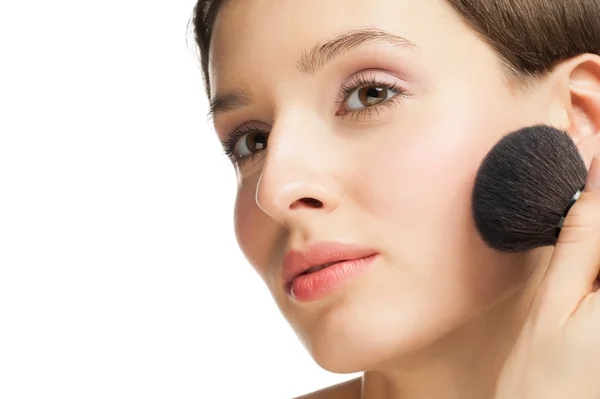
(252, 228)
(420, 187)
(421, 176)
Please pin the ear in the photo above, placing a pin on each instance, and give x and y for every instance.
(580, 77)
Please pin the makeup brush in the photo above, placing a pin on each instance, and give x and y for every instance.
(525, 187)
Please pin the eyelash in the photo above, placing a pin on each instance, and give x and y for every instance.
(358, 82)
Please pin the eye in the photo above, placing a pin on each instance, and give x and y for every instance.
(251, 143)
(365, 95)
(369, 96)
(244, 143)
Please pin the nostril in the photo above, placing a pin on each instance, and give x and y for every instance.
(311, 202)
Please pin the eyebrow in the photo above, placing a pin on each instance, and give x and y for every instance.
(312, 61)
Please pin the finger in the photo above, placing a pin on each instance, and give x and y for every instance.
(575, 262)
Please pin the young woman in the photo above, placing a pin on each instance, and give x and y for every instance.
(356, 128)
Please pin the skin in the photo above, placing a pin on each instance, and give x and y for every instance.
(438, 312)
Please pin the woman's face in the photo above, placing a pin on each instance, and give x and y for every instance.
(376, 145)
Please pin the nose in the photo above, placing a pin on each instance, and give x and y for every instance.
(298, 181)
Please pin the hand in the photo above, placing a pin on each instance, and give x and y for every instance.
(557, 354)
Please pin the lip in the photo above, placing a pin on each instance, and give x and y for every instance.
(297, 262)
(319, 284)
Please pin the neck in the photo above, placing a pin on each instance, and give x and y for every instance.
(464, 364)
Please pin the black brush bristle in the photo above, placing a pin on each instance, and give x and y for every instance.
(524, 186)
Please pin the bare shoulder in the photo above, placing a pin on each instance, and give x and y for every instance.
(346, 390)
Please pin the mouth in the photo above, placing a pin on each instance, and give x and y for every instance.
(319, 281)
(322, 257)
(321, 267)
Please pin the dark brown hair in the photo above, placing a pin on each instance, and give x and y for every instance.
(530, 36)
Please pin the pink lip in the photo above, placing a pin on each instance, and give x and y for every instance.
(316, 284)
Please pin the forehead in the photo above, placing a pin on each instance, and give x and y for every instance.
(260, 37)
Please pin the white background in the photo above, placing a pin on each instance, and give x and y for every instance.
(120, 276)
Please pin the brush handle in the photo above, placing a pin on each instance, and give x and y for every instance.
(564, 215)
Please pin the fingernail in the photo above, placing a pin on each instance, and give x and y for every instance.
(593, 178)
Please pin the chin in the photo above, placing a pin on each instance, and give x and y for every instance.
(344, 342)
